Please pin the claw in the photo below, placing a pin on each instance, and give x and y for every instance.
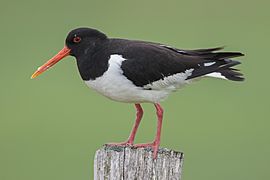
(153, 145)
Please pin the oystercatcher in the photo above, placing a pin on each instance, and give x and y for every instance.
(137, 72)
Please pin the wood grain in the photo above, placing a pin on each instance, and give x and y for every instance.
(129, 163)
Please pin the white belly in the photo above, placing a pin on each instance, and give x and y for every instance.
(126, 93)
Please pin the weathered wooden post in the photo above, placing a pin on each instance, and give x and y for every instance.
(129, 163)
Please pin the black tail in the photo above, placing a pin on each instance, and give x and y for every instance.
(231, 73)
(222, 64)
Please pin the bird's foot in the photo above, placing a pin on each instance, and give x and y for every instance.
(126, 143)
(154, 145)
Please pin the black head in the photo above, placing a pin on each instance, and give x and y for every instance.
(84, 40)
(80, 42)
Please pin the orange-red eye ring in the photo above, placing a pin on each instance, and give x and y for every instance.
(77, 39)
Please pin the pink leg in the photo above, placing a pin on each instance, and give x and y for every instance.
(130, 140)
(156, 142)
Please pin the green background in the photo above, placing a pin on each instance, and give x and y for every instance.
(50, 127)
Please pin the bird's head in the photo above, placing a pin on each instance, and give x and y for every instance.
(78, 42)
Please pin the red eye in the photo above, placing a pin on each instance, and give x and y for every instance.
(77, 39)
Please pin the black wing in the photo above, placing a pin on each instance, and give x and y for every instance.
(149, 62)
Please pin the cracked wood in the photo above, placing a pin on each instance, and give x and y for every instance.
(129, 163)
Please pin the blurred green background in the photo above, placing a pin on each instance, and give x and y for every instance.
(50, 127)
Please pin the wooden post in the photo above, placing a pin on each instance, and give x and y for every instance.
(129, 163)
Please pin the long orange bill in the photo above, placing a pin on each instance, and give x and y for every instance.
(60, 55)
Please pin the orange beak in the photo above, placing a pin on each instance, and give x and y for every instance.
(60, 55)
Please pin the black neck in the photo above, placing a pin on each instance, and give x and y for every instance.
(94, 61)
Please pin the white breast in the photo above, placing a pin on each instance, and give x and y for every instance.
(114, 85)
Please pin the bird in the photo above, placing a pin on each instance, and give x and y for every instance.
(136, 71)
